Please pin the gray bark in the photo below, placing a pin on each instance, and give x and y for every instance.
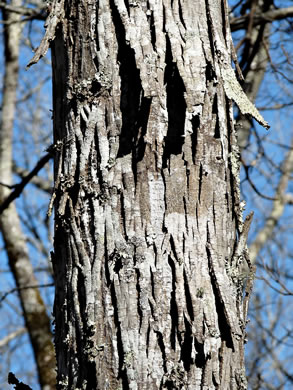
(147, 208)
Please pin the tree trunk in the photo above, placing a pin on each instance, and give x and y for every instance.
(147, 210)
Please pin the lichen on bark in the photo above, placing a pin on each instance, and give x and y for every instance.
(146, 207)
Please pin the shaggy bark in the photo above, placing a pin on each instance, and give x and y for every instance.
(149, 236)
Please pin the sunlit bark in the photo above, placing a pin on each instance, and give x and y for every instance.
(147, 209)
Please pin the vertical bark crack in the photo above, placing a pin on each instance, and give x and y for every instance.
(195, 122)
(138, 288)
(173, 305)
(188, 297)
(200, 179)
(186, 347)
(224, 326)
(176, 107)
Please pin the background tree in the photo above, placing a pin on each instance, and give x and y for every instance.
(268, 362)
(34, 310)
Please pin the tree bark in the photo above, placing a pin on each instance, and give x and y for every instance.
(149, 234)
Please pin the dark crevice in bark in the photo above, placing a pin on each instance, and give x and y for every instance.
(162, 348)
(186, 347)
(223, 324)
(122, 372)
(92, 232)
(215, 381)
(140, 130)
(230, 176)
(127, 6)
(107, 272)
(187, 186)
(172, 243)
(148, 339)
(77, 170)
(102, 190)
(197, 221)
(214, 214)
(210, 25)
(224, 16)
(210, 72)
(118, 262)
(200, 359)
(195, 121)
(131, 89)
(91, 376)
(215, 114)
(84, 341)
(200, 181)
(71, 106)
(152, 308)
(180, 14)
(173, 304)
(188, 297)
(97, 46)
(82, 303)
(155, 253)
(164, 19)
(152, 284)
(227, 202)
(123, 216)
(156, 156)
(164, 227)
(185, 212)
(176, 107)
(138, 289)
(152, 30)
(95, 87)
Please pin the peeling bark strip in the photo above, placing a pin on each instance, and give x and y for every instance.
(147, 206)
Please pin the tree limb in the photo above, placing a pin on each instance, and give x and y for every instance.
(269, 16)
(12, 336)
(39, 182)
(19, 187)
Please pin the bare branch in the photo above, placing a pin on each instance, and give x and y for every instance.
(19, 187)
(13, 290)
(39, 182)
(32, 13)
(253, 186)
(269, 16)
(12, 336)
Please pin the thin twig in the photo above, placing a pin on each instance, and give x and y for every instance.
(13, 290)
(246, 168)
(18, 188)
